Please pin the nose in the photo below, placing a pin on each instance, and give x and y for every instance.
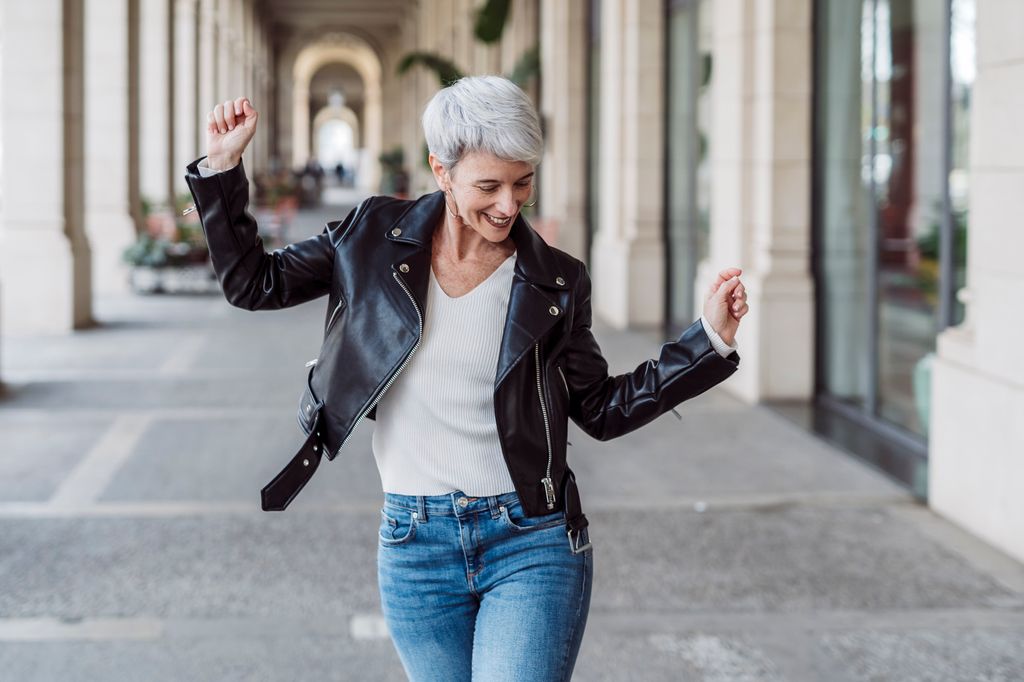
(507, 203)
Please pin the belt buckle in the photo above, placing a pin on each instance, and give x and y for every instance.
(574, 546)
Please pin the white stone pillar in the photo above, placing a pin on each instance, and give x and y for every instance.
(761, 183)
(207, 45)
(976, 471)
(243, 64)
(108, 131)
(260, 93)
(563, 107)
(44, 252)
(225, 39)
(628, 251)
(187, 142)
(155, 131)
(300, 124)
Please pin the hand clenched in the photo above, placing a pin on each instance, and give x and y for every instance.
(229, 128)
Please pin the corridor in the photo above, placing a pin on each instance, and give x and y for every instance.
(729, 545)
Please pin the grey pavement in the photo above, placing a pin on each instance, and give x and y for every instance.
(729, 545)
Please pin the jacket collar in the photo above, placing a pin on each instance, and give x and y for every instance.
(535, 260)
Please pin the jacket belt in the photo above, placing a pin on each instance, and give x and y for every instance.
(277, 494)
(575, 519)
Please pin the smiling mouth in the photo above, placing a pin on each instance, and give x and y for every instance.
(498, 222)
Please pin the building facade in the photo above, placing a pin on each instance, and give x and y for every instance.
(857, 158)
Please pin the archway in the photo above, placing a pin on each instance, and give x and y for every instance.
(355, 52)
(336, 137)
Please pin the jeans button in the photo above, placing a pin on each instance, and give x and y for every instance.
(462, 501)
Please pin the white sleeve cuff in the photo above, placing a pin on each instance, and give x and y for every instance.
(206, 171)
(720, 346)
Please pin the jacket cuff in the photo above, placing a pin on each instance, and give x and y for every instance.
(717, 342)
(206, 171)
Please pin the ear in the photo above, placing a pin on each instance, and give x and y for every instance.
(440, 174)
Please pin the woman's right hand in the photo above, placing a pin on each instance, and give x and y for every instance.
(229, 127)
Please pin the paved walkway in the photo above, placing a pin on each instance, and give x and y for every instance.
(729, 545)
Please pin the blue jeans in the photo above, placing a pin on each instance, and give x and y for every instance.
(473, 589)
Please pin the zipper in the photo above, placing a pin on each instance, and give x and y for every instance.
(330, 322)
(394, 376)
(549, 488)
(564, 382)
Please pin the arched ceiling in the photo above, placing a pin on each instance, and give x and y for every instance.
(380, 18)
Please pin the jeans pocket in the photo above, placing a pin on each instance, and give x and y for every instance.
(397, 526)
(516, 519)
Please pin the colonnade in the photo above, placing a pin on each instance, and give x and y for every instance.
(100, 108)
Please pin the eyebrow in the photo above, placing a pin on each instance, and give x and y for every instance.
(530, 174)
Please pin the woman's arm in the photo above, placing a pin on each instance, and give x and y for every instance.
(609, 406)
(250, 277)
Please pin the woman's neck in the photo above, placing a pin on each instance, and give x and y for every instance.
(458, 243)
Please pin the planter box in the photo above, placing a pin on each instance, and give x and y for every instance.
(181, 279)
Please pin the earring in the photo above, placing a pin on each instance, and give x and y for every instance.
(454, 215)
(531, 205)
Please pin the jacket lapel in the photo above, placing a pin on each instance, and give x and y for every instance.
(539, 295)
(538, 299)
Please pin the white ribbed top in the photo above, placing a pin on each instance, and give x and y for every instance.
(435, 430)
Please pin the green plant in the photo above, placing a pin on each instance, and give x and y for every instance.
(392, 163)
(489, 25)
(490, 20)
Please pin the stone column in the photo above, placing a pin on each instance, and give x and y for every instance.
(207, 39)
(44, 252)
(628, 251)
(225, 38)
(155, 130)
(108, 142)
(562, 192)
(186, 115)
(976, 438)
(243, 63)
(760, 205)
(261, 93)
(300, 124)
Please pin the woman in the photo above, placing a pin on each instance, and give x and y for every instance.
(467, 339)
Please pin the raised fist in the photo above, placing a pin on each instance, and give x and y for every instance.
(229, 127)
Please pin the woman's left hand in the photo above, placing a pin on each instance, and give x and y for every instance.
(725, 303)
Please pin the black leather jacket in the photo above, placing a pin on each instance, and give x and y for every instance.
(373, 266)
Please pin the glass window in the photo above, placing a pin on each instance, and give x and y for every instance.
(893, 95)
(687, 171)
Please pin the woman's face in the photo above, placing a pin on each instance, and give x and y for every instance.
(487, 192)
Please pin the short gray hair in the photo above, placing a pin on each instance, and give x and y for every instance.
(483, 113)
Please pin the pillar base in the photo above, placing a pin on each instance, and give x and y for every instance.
(975, 441)
(52, 294)
(110, 233)
(629, 282)
(776, 338)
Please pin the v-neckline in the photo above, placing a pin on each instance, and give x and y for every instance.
(437, 284)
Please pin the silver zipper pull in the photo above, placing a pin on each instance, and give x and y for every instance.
(188, 210)
(549, 491)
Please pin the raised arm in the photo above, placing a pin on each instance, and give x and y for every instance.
(609, 406)
(250, 277)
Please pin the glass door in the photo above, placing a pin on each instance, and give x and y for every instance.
(687, 177)
(893, 91)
